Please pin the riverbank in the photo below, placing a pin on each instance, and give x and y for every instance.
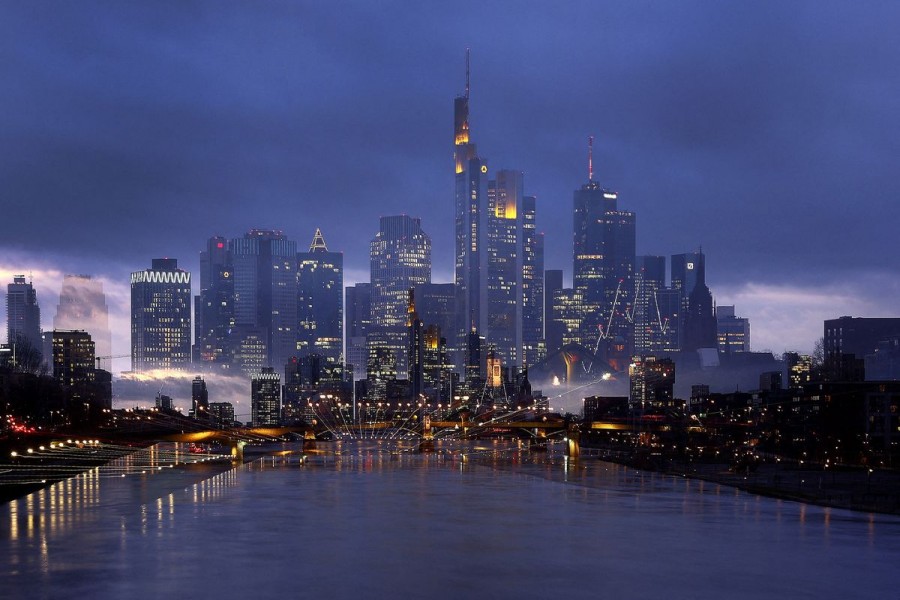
(853, 488)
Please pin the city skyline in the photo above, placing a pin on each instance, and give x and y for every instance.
(532, 110)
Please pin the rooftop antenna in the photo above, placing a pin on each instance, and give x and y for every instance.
(467, 73)
(590, 158)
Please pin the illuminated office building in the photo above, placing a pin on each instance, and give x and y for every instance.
(214, 308)
(265, 290)
(320, 300)
(265, 398)
(732, 333)
(161, 317)
(400, 259)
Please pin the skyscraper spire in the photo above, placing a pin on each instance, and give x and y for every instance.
(590, 158)
(318, 243)
(467, 73)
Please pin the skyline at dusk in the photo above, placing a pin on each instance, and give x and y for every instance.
(760, 133)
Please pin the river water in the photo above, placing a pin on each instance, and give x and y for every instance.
(357, 521)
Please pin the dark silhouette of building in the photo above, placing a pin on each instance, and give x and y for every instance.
(553, 282)
(214, 308)
(199, 399)
(699, 318)
(161, 317)
(849, 340)
(652, 382)
(23, 314)
(358, 323)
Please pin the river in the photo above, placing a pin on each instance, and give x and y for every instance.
(357, 521)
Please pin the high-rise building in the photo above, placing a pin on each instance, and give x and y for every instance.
(214, 307)
(533, 346)
(23, 315)
(400, 257)
(649, 278)
(73, 360)
(652, 381)
(265, 398)
(856, 336)
(603, 270)
(82, 306)
(732, 333)
(358, 322)
(503, 328)
(470, 260)
(161, 317)
(698, 319)
(221, 414)
(265, 290)
(320, 300)
(553, 333)
(199, 399)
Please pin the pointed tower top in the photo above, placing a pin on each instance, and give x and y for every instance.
(318, 243)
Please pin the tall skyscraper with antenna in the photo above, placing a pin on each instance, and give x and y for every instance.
(603, 269)
(320, 300)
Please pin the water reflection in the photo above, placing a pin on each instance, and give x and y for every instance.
(479, 518)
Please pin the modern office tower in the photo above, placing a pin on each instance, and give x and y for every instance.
(320, 300)
(568, 317)
(161, 317)
(475, 369)
(437, 367)
(164, 403)
(73, 362)
(649, 278)
(199, 399)
(265, 290)
(23, 316)
(603, 270)
(732, 333)
(652, 382)
(265, 398)
(533, 346)
(381, 369)
(667, 328)
(470, 260)
(221, 414)
(82, 306)
(698, 321)
(770, 381)
(553, 282)
(214, 307)
(504, 266)
(400, 257)
(358, 321)
(855, 336)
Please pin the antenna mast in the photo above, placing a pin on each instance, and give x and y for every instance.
(590, 158)
(467, 73)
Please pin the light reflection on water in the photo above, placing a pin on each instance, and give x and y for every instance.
(356, 520)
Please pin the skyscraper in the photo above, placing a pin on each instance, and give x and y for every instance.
(161, 317)
(82, 306)
(265, 291)
(698, 321)
(359, 320)
(320, 300)
(214, 307)
(533, 346)
(649, 279)
(503, 328)
(553, 333)
(400, 259)
(733, 333)
(603, 269)
(470, 264)
(199, 399)
(23, 315)
(265, 398)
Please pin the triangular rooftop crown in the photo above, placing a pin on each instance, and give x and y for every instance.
(318, 243)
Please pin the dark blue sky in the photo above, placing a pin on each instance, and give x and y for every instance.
(765, 131)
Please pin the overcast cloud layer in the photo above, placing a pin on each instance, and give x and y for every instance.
(767, 132)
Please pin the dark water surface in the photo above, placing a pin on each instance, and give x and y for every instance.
(369, 524)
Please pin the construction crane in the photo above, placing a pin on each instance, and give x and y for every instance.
(99, 358)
